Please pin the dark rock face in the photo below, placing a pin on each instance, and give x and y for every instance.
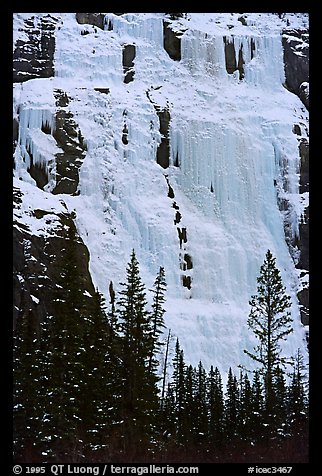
(186, 281)
(69, 138)
(230, 58)
(128, 55)
(102, 90)
(163, 152)
(304, 228)
(304, 299)
(35, 58)
(296, 61)
(304, 172)
(37, 263)
(171, 42)
(95, 19)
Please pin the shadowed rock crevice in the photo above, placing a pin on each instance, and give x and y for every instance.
(185, 260)
(128, 55)
(163, 152)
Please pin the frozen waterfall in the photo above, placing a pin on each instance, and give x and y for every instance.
(232, 154)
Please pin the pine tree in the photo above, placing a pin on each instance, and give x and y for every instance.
(270, 320)
(215, 401)
(139, 392)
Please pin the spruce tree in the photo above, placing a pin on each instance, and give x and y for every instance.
(215, 399)
(270, 320)
(278, 425)
(201, 416)
(168, 415)
(101, 383)
(231, 407)
(157, 320)
(297, 396)
(26, 384)
(245, 408)
(257, 407)
(139, 390)
(188, 411)
(63, 359)
(165, 367)
(179, 383)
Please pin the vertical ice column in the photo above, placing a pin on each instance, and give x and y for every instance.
(32, 119)
(36, 147)
(266, 67)
(203, 53)
(287, 161)
(136, 26)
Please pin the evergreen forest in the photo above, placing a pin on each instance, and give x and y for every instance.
(108, 382)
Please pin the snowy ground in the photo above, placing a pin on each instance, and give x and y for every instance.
(236, 150)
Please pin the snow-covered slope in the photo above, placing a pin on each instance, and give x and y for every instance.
(210, 216)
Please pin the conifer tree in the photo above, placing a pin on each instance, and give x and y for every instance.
(257, 406)
(231, 407)
(187, 429)
(215, 400)
(179, 383)
(101, 384)
(165, 366)
(139, 392)
(278, 425)
(245, 408)
(63, 359)
(26, 376)
(270, 320)
(297, 396)
(201, 417)
(168, 414)
(157, 320)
